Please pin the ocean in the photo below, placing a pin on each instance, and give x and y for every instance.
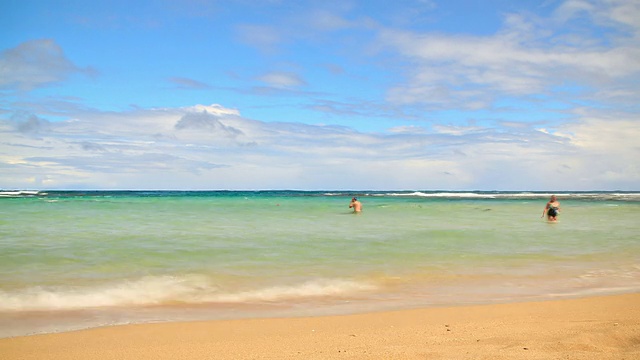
(80, 259)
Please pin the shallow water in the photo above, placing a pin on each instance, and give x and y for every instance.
(73, 260)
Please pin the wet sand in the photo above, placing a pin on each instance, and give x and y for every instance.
(603, 327)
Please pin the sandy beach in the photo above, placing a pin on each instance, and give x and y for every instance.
(605, 327)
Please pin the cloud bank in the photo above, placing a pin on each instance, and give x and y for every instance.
(212, 147)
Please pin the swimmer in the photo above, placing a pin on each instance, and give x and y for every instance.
(355, 205)
(552, 209)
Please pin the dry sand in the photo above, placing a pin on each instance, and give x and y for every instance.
(606, 327)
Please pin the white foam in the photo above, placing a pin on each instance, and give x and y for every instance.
(191, 289)
(307, 289)
(517, 195)
(445, 194)
(19, 193)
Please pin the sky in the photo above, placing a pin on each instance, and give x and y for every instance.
(320, 95)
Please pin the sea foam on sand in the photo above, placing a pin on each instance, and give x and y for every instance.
(606, 327)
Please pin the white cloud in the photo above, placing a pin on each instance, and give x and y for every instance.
(281, 79)
(212, 147)
(525, 58)
(214, 109)
(626, 12)
(34, 64)
(607, 12)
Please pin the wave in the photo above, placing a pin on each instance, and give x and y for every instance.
(505, 195)
(435, 194)
(21, 193)
(445, 195)
(165, 290)
(519, 195)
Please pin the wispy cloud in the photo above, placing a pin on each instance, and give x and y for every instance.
(34, 64)
(186, 83)
(523, 59)
(280, 79)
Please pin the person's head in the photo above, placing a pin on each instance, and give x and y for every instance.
(553, 198)
(354, 199)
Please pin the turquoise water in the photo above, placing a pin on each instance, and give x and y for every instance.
(73, 260)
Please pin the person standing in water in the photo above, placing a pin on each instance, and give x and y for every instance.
(552, 209)
(356, 205)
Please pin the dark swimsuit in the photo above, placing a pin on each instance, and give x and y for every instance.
(553, 211)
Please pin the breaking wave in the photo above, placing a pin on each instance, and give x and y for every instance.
(165, 290)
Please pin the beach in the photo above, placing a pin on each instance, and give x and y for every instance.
(604, 327)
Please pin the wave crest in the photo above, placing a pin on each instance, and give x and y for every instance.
(159, 290)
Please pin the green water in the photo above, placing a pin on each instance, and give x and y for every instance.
(275, 253)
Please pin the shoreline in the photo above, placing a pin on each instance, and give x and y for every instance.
(596, 327)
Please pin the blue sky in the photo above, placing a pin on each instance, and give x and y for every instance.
(381, 95)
